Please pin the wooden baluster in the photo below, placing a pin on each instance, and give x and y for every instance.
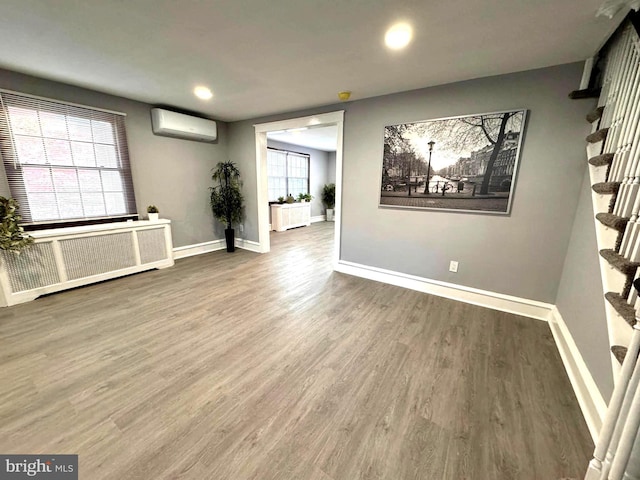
(629, 247)
(623, 135)
(633, 293)
(632, 472)
(631, 180)
(633, 93)
(605, 447)
(624, 203)
(616, 67)
(630, 236)
(621, 103)
(625, 100)
(627, 437)
(626, 196)
(613, 73)
(633, 250)
(620, 407)
(628, 201)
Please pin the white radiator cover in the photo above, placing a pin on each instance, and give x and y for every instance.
(65, 258)
(290, 215)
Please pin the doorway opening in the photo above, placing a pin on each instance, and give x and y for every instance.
(279, 129)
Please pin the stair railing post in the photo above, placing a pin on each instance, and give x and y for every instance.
(632, 472)
(621, 419)
(627, 437)
(595, 470)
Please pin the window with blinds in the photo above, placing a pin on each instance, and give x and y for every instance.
(64, 162)
(287, 172)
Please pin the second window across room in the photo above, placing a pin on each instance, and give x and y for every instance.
(288, 173)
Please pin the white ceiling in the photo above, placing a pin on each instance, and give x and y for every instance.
(320, 138)
(263, 57)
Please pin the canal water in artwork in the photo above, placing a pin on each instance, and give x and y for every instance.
(455, 193)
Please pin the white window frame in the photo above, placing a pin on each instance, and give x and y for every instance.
(289, 178)
(65, 163)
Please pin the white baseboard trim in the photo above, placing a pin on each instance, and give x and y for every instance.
(198, 248)
(212, 246)
(483, 298)
(318, 218)
(248, 245)
(589, 397)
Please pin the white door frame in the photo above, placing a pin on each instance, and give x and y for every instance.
(324, 119)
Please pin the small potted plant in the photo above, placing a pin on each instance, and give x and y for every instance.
(304, 197)
(13, 238)
(280, 200)
(329, 199)
(153, 212)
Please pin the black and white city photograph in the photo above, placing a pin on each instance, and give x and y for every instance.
(466, 163)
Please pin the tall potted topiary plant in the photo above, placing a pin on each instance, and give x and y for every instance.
(226, 199)
(12, 236)
(329, 199)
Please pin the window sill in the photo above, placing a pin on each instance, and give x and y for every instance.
(34, 227)
(56, 232)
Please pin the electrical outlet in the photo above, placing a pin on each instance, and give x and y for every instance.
(453, 266)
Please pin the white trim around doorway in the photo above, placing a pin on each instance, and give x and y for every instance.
(323, 119)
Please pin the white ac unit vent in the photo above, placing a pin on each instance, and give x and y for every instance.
(179, 125)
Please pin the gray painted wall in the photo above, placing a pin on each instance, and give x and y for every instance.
(317, 173)
(580, 300)
(331, 167)
(173, 174)
(521, 254)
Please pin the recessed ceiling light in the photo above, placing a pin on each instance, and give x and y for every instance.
(398, 36)
(203, 93)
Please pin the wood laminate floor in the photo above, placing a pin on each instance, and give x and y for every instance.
(245, 366)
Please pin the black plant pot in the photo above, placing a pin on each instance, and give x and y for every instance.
(230, 238)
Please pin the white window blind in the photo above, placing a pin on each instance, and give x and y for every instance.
(64, 162)
(287, 173)
(276, 174)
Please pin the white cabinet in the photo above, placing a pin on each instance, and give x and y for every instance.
(290, 215)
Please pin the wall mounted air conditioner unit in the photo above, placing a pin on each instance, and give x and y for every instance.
(179, 125)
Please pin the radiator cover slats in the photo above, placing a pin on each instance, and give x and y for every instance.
(70, 257)
(33, 268)
(87, 256)
(152, 248)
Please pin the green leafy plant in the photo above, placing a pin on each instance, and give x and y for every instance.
(152, 209)
(12, 236)
(280, 200)
(226, 196)
(304, 197)
(329, 195)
